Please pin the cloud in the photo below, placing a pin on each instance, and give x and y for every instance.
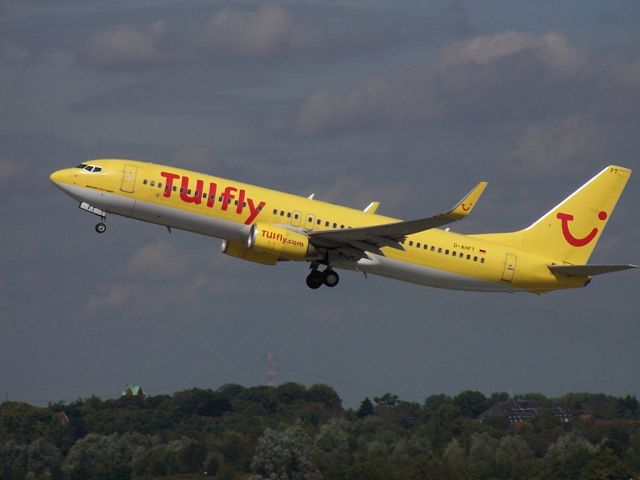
(264, 33)
(113, 296)
(126, 45)
(551, 49)
(551, 144)
(492, 77)
(160, 259)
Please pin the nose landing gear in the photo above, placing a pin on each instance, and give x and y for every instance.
(316, 278)
(101, 227)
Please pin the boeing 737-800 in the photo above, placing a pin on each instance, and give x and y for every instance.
(268, 226)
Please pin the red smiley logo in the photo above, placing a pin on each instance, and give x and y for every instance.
(465, 208)
(570, 238)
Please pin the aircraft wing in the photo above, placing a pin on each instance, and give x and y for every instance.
(587, 270)
(374, 237)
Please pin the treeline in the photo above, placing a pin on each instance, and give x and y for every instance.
(294, 432)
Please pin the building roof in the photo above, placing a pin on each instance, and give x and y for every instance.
(524, 410)
(133, 390)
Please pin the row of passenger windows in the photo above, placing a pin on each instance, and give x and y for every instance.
(446, 251)
(310, 219)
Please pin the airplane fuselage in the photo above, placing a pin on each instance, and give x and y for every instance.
(226, 209)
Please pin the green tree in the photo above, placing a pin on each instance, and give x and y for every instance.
(283, 455)
(605, 465)
(471, 403)
(324, 394)
(366, 408)
(482, 454)
(514, 459)
(567, 456)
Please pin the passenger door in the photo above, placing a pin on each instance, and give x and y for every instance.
(128, 178)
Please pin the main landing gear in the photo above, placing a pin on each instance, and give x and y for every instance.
(101, 227)
(316, 278)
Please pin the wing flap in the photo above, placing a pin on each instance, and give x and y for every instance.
(587, 270)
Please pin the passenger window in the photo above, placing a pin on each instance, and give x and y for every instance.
(288, 214)
(153, 183)
(341, 226)
(236, 202)
(319, 222)
(439, 249)
(144, 182)
(468, 257)
(433, 249)
(411, 243)
(189, 191)
(446, 252)
(482, 260)
(425, 246)
(159, 184)
(475, 259)
(175, 188)
(326, 224)
(418, 245)
(335, 225)
(282, 213)
(275, 212)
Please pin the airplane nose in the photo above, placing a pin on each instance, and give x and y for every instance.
(56, 176)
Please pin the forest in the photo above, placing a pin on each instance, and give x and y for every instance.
(291, 431)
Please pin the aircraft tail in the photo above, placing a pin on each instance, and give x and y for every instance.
(569, 231)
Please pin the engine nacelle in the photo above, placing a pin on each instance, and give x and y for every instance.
(239, 250)
(285, 244)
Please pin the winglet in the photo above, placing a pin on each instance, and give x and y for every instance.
(372, 207)
(465, 206)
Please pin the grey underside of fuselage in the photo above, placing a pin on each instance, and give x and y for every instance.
(233, 231)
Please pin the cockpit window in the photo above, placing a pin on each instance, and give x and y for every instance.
(89, 168)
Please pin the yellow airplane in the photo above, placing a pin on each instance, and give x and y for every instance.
(268, 226)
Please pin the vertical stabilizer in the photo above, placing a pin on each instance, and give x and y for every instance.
(569, 231)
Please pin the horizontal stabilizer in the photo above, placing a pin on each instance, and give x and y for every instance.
(587, 270)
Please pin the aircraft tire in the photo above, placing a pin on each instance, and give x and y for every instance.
(101, 227)
(331, 278)
(315, 279)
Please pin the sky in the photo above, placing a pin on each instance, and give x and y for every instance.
(409, 103)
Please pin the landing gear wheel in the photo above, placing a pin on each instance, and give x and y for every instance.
(315, 279)
(331, 278)
(101, 227)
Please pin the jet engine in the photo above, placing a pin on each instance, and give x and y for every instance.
(240, 250)
(281, 242)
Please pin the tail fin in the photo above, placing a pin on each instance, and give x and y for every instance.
(569, 231)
